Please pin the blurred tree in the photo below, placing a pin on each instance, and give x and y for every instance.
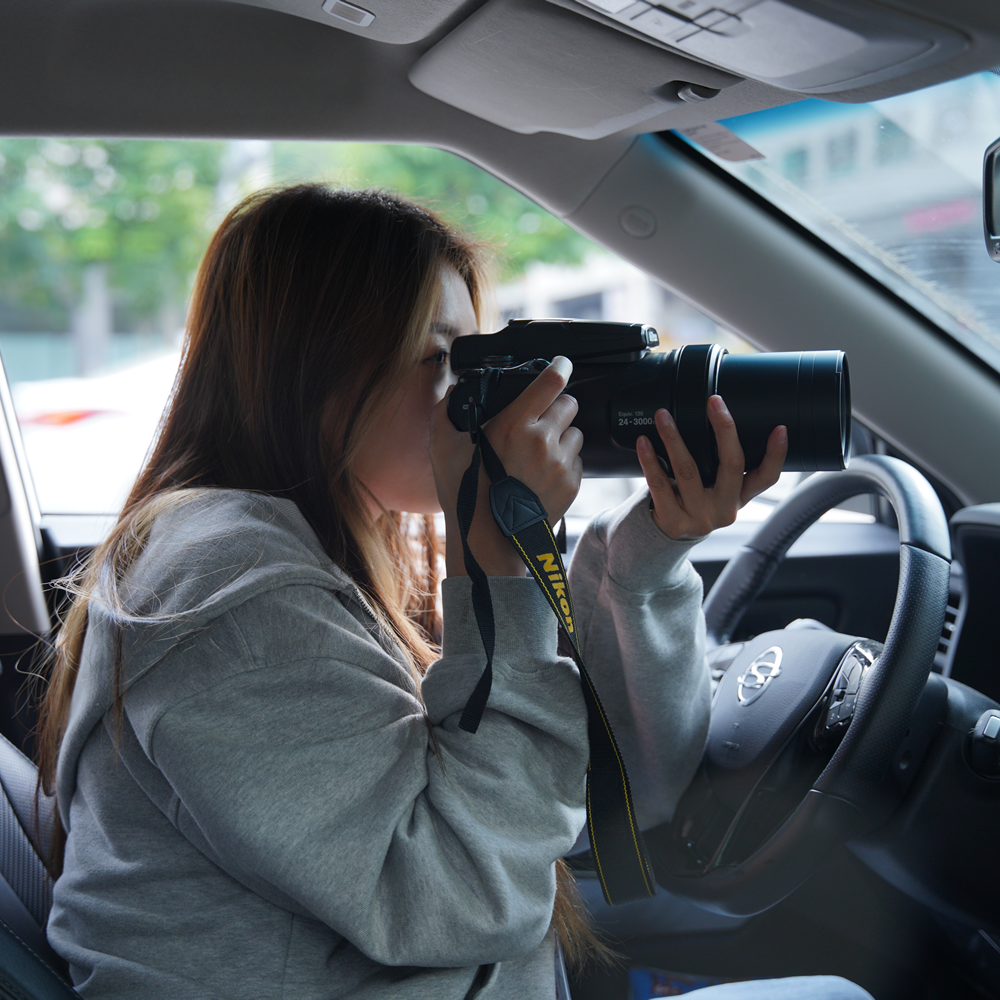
(92, 228)
(465, 194)
(89, 225)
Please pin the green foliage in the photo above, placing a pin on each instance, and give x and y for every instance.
(138, 205)
(145, 207)
(467, 196)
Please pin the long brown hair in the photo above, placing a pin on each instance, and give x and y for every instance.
(307, 299)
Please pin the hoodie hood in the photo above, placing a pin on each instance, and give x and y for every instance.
(204, 556)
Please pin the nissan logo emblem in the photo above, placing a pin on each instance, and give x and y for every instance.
(753, 682)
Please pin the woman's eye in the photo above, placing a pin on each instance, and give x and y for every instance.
(438, 358)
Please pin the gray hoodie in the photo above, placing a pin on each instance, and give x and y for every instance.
(283, 818)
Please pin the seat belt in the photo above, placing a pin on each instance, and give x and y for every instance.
(623, 867)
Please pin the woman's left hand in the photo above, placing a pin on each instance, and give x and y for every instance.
(685, 508)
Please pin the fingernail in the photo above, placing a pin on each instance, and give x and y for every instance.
(782, 437)
(663, 418)
(562, 366)
(717, 403)
(642, 443)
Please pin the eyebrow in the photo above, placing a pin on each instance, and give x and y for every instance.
(447, 329)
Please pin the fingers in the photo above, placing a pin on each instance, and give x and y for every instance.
(661, 490)
(561, 413)
(683, 466)
(571, 442)
(545, 426)
(534, 438)
(543, 391)
(766, 474)
(685, 508)
(729, 478)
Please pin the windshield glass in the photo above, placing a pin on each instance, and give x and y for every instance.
(894, 185)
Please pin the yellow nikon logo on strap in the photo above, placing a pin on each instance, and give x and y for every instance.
(557, 585)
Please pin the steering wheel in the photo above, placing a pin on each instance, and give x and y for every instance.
(808, 725)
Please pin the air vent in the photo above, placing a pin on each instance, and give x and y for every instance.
(948, 637)
(952, 627)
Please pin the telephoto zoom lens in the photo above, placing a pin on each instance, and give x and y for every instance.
(807, 391)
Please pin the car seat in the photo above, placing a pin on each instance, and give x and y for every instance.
(28, 966)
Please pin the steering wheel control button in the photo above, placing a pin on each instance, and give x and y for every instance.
(846, 685)
(854, 681)
(753, 682)
(984, 745)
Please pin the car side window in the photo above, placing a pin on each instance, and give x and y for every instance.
(100, 240)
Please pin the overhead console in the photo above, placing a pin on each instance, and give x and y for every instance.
(809, 46)
(590, 68)
(532, 67)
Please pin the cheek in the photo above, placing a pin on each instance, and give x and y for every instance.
(413, 419)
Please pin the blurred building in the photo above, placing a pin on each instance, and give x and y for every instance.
(605, 287)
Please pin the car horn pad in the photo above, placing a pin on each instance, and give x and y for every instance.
(778, 714)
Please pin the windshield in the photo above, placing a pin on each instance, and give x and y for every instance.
(894, 185)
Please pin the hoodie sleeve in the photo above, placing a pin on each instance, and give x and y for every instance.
(302, 761)
(638, 600)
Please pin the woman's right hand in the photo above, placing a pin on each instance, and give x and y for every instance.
(534, 440)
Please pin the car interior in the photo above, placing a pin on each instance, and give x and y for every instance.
(846, 827)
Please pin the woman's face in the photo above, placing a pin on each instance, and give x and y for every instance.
(395, 461)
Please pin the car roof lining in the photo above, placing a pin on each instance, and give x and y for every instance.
(233, 69)
(250, 68)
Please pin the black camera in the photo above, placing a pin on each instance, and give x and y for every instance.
(620, 382)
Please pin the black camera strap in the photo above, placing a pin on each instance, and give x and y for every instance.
(619, 852)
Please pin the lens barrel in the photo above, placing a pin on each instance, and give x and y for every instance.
(807, 391)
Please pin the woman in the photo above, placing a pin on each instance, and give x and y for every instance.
(251, 734)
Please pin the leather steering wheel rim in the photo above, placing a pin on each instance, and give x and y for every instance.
(844, 800)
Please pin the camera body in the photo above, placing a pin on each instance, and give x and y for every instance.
(620, 381)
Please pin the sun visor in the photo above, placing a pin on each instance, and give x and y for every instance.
(809, 46)
(531, 66)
